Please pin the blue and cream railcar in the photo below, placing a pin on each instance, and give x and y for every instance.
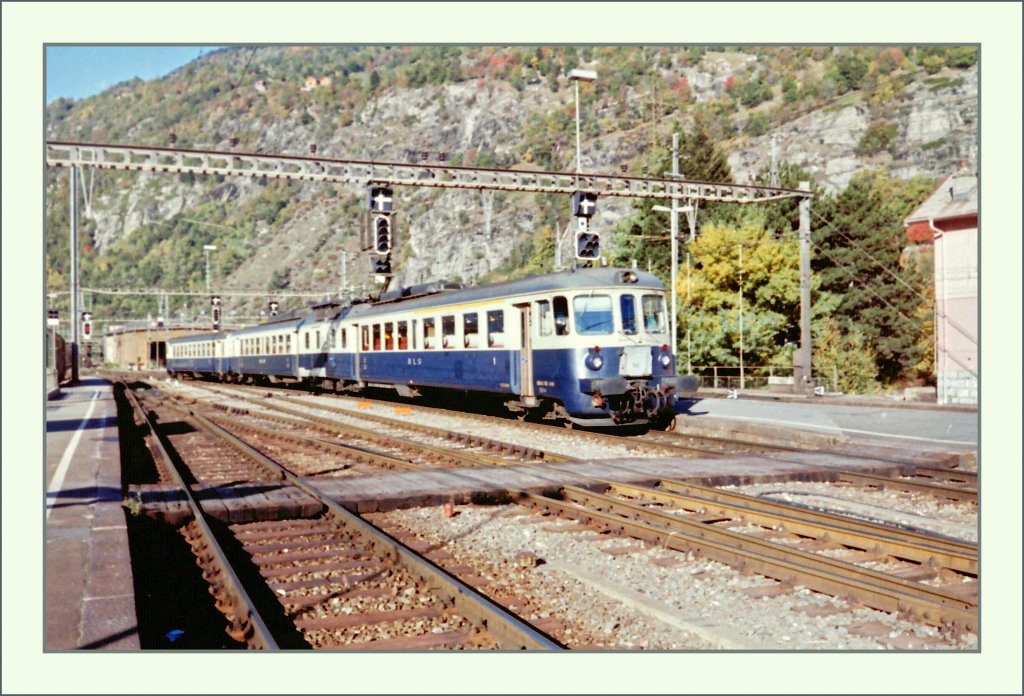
(590, 345)
(203, 355)
(265, 352)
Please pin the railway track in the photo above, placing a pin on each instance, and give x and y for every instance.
(909, 474)
(750, 552)
(339, 582)
(882, 567)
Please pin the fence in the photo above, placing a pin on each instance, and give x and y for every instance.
(753, 377)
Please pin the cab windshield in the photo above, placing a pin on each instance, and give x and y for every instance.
(655, 320)
(592, 314)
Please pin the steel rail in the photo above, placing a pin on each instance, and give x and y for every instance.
(822, 528)
(512, 632)
(969, 478)
(245, 623)
(718, 496)
(887, 482)
(343, 449)
(454, 457)
(750, 554)
(473, 440)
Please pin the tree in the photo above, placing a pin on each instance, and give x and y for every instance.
(770, 277)
(643, 237)
(857, 258)
(842, 360)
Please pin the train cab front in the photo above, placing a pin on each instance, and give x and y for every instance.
(629, 385)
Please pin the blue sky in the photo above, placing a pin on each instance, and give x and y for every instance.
(82, 71)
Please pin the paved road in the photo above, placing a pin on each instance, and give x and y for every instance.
(931, 429)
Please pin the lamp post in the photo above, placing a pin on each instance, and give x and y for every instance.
(207, 248)
(578, 76)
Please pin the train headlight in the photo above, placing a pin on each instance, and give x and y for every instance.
(594, 361)
(665, 360)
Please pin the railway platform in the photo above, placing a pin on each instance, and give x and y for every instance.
(89, 592)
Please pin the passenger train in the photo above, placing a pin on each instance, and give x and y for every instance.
(588, 346)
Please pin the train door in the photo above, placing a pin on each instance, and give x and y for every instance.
(527, 395)
(359, 347)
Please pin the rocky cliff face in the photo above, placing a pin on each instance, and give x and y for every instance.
(468, 234)
(935, 128)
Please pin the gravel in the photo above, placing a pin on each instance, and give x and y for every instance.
(647, 597)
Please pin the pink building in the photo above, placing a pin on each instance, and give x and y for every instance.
(950, 218)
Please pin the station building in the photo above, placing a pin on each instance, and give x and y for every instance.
(949, 218)
(142, 347)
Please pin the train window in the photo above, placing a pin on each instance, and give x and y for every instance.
(627, 306)
(415, 342)
(332, 339)
(403, 335)
(471, 330)
(448, 331)
(593, 314)
(561, 307)
(429, 339)
(344, 337)
(366, 338)
(307, 339)
(496, 328)
(654, 313)
(319, 345)
(544, 317)
(389, 336)
(376, 336)
(288, 343)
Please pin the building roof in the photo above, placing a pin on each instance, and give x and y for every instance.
(956, 197)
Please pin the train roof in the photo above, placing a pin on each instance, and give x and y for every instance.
(198, 338)
(578, 279)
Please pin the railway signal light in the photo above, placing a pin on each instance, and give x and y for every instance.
(584, 205)
(273, 308)
(380, 199)
(382, 234)
(588, 244)
(380, 267)
(215, 310)
(87, 326)
(172, 138)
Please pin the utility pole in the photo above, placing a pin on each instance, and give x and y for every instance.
(742, 377)
(806, 384)
(75, 319)
(675, 246)
(689, 351)
(773, 177)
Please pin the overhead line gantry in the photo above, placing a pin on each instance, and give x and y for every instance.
(343, 171)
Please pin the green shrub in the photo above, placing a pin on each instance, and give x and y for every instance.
(878, 137)
(932, 64)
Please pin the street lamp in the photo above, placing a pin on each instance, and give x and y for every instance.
(207, 248)
(578, 76)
